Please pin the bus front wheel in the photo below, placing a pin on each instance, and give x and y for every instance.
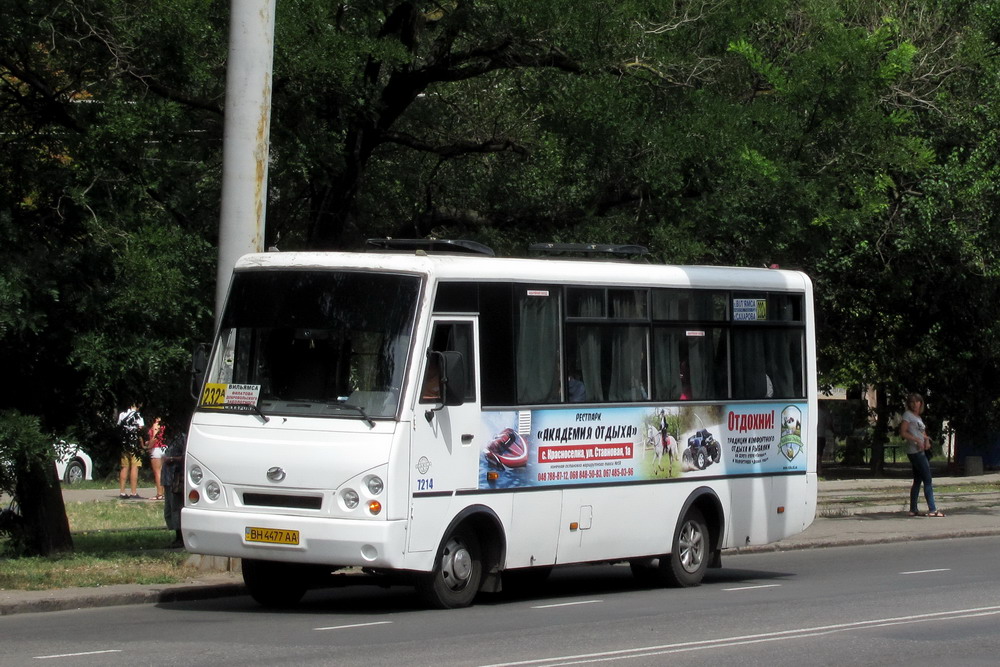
(688, 559)
(276, 585)
(458, 572)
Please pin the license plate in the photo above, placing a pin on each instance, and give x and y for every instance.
(271, 535)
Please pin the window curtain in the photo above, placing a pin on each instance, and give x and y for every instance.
(785, 363)
(667, 369)
(707, 381)
(749, 363)
(537, 351)
(628, 350)
(588, 348)
(766, 364)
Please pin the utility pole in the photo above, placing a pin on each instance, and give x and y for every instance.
(245, 138)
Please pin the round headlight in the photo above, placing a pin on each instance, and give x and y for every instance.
(212, 490)
(196, 474)
(375, 485)
(351, 498)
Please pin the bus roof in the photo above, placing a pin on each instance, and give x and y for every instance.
(534, 270)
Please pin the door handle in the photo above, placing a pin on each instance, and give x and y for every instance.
(467, 438)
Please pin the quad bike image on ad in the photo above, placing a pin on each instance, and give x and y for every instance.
(702, 450)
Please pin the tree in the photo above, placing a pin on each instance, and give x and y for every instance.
(105, 268)
(854, 140)
(28, 473)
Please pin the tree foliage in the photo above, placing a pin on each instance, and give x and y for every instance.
(854, 139)
(109, 178)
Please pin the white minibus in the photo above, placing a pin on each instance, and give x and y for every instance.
(456, 420)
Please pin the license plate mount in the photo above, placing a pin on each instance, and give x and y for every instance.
(271, 535)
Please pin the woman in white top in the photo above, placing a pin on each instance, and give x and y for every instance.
(914, 432)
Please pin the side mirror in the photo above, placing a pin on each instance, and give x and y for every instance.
(449, 378)
(199, 364)
(453, 376)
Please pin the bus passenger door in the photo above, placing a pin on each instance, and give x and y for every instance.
(444, 453)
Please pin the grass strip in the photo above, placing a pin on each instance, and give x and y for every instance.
(116, 542)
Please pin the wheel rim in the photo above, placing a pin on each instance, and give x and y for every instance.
(456, 565)
(691, 547)
(75, 474)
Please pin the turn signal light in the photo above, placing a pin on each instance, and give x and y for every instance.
(492, 476)
(374, 507)
(194, 496)
(781, 510)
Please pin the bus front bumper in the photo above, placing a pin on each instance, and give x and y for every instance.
(326, 541)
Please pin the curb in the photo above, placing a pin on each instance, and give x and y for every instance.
(82, 598)
(856, 542)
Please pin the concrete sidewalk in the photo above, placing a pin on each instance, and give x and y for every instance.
(850, 512)
(869, 511)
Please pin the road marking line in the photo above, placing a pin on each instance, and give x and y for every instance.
(564, 604)
(74, 655)
(723, 642)
(752, 588)
(940, 569)
(354, 625)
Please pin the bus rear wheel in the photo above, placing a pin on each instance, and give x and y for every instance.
(275, 585)
(688, 559)
(458, 572)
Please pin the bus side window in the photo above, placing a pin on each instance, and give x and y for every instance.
(537, 345)
(767, 363)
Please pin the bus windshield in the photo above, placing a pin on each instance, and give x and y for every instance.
(313, 342)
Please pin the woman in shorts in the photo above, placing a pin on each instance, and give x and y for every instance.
(157, 444)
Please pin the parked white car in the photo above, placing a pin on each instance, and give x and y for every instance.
(74, 465)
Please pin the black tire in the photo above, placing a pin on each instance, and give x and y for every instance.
(75, 472)
(688, 559)
(275, 585)
(458, 572)
(701, 459)
(716, 454)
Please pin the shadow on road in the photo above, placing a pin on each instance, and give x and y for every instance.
(363, 596)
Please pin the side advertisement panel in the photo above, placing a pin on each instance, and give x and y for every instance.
(566, 446)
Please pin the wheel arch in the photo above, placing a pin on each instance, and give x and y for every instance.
(492, 537)
(708, 503)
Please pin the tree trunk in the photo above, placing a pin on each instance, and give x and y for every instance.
(880, 434)
(45, 526)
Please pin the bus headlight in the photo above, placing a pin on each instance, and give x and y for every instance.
(212, 490)
(196, 475)
(350, 498)
(375, 485)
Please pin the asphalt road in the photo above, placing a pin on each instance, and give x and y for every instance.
(914, 603)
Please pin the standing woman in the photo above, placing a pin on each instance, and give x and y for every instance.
(918, 445)
(157, 445)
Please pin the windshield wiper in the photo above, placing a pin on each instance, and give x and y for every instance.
(238, 407)
(258, 411)
(360, 410)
